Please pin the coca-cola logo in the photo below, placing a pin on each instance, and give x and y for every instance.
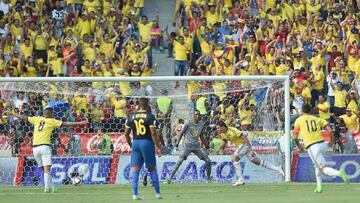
(91, 143)
(119, 143)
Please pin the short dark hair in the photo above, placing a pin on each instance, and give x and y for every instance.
(306, 108)
(144, 104)
(221, 124)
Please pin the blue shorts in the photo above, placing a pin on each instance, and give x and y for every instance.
(143, 150)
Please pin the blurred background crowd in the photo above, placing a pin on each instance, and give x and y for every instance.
(315, 42)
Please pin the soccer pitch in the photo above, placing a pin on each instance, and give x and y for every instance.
(188, 193)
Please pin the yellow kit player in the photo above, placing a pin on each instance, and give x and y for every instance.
(309, 127)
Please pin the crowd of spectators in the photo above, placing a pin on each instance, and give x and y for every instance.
(315, 42)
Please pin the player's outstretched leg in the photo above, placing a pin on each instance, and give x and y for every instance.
(267, 165)
(333, 172)
(317, 154)
(343, 175)
(178, 164)
(155, 180)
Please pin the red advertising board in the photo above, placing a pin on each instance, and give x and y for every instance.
(89, 140)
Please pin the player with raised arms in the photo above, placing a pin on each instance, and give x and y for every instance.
(309, 127)
(142, 124)
(41, 142)
(192, 131)
(244, 148)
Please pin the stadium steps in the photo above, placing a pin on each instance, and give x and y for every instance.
(166, 65)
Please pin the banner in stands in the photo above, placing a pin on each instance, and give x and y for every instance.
(7, 170)
(350, 163)
(193, 169)
(5, 146)
(98, 170)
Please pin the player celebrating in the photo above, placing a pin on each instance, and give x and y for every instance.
(309, 126)
(43, 128)
(244, 148)
(142, 123)
(193, 130)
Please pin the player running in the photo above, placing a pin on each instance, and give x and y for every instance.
(244, 148)
(41, 144)
(142, 124)
(309, 127)
(192, 131)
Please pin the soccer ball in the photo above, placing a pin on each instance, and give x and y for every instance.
(76, 181)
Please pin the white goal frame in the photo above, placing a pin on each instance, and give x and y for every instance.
(282, 78)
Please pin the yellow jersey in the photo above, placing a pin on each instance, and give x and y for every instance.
(43, 128)
(180, 51)
(309, 127)
(350, 122)
(322, 106)
(340, 98)
(119, 108)
(233, 135)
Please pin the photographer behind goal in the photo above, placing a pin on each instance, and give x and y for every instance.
(344, 127)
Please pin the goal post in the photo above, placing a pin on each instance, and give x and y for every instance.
(153, 87)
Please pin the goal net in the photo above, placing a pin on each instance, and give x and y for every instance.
(99, 152)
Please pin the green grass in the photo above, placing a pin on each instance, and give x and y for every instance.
(195, 193)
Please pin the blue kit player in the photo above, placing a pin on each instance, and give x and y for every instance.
(142, 124)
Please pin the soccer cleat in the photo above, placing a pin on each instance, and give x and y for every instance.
(136, 197)
(238, 182)
(47, 190)
(158, 196)
(54, 190)
(145, 180)
(343, 175)
(281, 171)
(318, 189)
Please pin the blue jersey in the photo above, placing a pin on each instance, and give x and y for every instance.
(143, 148)
(140, 122)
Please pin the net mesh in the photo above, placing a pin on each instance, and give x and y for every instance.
(253, 106)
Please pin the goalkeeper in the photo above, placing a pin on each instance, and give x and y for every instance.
(192, 131)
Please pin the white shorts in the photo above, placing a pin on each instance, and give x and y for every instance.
(42, 155)
(317, 154)
(242, 151)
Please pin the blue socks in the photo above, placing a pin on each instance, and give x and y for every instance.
(135, 180)
(155, 179)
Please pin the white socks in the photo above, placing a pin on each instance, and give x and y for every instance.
(47, 180)
(330, 171)
(238, 171)
(269, 165)
(318, 177)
